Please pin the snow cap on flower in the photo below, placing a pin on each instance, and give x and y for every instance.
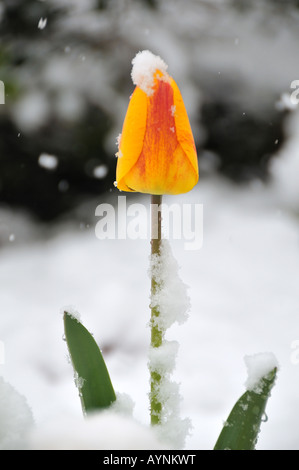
(145, 65)
(157, 154)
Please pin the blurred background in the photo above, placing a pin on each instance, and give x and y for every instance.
(66, 69)
(66, 66)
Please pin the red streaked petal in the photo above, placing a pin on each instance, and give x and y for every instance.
(183, 128)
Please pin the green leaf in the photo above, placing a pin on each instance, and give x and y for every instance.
(93, 380)
(242, 427)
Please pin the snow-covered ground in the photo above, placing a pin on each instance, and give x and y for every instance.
(243, 287)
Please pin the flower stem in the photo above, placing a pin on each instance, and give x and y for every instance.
(156, 333)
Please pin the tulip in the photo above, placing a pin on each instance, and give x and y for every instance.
(156, 153)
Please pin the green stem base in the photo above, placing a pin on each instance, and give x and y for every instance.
(156, 333)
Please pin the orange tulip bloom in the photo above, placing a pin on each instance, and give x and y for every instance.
(156, 152)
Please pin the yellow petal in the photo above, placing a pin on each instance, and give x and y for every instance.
(132, 137)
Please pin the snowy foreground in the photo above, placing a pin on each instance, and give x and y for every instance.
(243, 289)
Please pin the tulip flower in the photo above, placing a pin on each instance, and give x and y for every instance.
(156, 154)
